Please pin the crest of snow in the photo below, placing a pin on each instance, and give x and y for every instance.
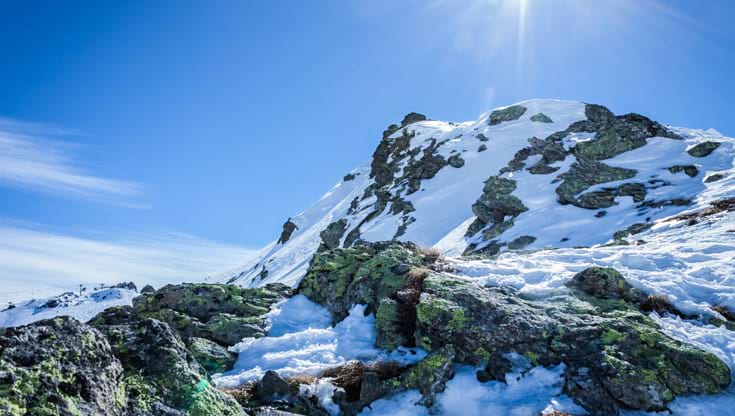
(82, 308)
(297, 346)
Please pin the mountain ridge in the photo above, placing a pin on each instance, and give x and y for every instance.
(533, 175)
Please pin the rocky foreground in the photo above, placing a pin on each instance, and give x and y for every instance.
(156, 357)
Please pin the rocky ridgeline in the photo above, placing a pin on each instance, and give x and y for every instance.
(154, 358)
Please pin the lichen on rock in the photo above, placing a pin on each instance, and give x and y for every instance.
(511, 113)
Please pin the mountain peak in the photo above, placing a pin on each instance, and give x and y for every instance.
(533, 175)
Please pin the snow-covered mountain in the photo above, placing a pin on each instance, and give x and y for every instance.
(537, 174)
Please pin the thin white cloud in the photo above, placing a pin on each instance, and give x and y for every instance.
(31, 159)
(36, 263)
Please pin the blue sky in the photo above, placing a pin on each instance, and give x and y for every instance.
(199, 127)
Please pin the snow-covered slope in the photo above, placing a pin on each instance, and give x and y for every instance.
(82, 307)
(538, 174)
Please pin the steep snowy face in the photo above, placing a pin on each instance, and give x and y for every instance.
(534, 175)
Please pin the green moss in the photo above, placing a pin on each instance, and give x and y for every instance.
(482, 355)
(612, 336)
(534, 357)
(458, 320)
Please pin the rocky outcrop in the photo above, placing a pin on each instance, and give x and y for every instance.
(703, 149)
(59, 366)
(222, 314)
(332, 235)
(585, 174)
(541, 118)
(511, 113)
(495, 208)
(62, 366)
(615, 356)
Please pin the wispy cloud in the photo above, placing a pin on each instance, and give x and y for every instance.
(37, 263)
(30, 157)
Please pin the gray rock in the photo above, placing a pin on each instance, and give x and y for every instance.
(541, 118)
(456, 161)
(507, 114)
(703, 149)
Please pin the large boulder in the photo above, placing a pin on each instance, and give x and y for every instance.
(221, 313)
(64, 367)
(59, 367)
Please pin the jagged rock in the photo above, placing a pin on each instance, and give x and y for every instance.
(161, 373)
(147, 289)
(212, 356)
(703, 149)
(59, 366)
(204, 301)
(349, 177)
(541, 118)
(614, 134)
(429, 376)
(494, 206)
(411, 118)
(481, 137)
(365, 274)
(584, 174)
(276, 396)
(228, 329)
(511, 113)
(288, 230)
(207, 317)
(332, 235)
(64, 367)
(456, 161)
(550, 151)
(636, 228)
(273, 387)
(126, 285)
(521, 242)
(482, 148)
(605, 283)
(615, 356)
(714, 178)
(690, 170)
(116, 315)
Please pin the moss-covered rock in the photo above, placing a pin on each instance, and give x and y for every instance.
(511, 113)
(59, 367)
(365, 274)
(455, 161)
(541, 118)
(221, 313)
(161, 373)
(332, 235)
(690, 170)
(212, 356)
(714, 177)
(615, 356)
(495, 206)
(703, 149)
(584, 174)
(605, 283)
(64, 367)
